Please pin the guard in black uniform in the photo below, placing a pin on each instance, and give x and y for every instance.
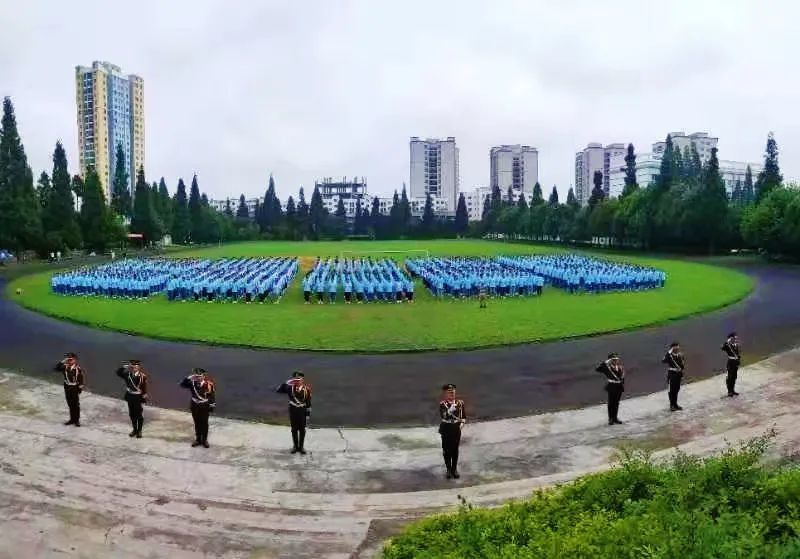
(299, 392)
(136, 380)
(675, 363)
(203, 392)
(731, 349)
(615, 384)
(74, 379)
(453, 417)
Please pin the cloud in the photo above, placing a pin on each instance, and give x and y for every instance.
(234, 92)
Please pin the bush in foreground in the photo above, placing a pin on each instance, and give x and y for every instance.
(729, 506)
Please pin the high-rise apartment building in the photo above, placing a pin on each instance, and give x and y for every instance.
(680, 140)
(516, 166)
(110, 113)
(434, 170)
(594, 158)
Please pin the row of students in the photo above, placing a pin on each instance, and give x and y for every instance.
(467, 277)
(360, 280)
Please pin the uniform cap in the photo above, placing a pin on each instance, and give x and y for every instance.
(613, 355)
(674, 344)
(134, 362)
(71, 355)
(198, 371)
(449, 386)
(732, 334)
(298, 374)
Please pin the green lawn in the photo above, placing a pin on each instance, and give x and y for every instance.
(427, 324)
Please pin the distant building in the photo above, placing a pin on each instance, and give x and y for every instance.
(434, 170)
(648, 167)
(110, 108)
(516, 166)
(251, 204)
(349, 191)
(475, 200)
(594, 157)
(680, 140)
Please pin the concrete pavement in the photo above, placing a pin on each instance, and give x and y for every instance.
(94, 492)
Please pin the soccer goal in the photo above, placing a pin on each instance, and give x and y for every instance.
(393, 254)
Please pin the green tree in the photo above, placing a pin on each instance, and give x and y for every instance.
(242, 211)
(59, 218)
(705, 213)
(20, 212)
(77, 186)
(95, 217)
(522, 203)
(773, 225)
(317, 213)
(630, 172)
(196, 218)
(510, 201)
(375, 215)
(487, 207)
(748, 191)
(340, 210)
(405, 210)
(155, 201)
(553, 201)
(302, 215)
(572, 201)
(497, 198)
(291, 217)
(770, 176)
(228, 209)
(598, 194)
(43, 188)
(666, 174)
(462, 216)
(165, 205)
(395, 216)
(537, 198)
(695, 170)
(428, 217)
(120, 189)
(181, 223)
(145, 218)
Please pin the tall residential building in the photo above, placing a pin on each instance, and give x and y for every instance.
(110, 112)
(594, 158)
(349, 191)
(434, 170)
(515, 166)
(475, 201)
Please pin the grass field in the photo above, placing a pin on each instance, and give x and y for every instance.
(427, 324)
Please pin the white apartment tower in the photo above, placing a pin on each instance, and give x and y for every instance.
(516, 166)
(434, 170)
(594, 158)
(680, 140)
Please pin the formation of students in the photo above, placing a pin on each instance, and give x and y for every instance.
(361, 279)
(577, 273)
(245, 279)
(237, 279)
(468, 277)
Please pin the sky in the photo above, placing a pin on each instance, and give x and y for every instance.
(235, 91)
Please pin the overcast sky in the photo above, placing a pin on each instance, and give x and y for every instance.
(236, 90)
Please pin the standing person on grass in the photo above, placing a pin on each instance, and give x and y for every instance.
(452, 419)
(202, 389)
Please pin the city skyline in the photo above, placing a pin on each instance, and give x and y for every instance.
(274, 115)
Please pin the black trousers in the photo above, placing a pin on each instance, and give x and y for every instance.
(674, 380)
(200, 416)
(451, 438)
(733, 372)
(135, 410)
(297, 420)
(615, 391)
(72, 395)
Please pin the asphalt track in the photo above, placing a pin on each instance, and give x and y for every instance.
(402, 389)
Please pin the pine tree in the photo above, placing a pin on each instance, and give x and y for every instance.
(737, 198)
(266, 223)
(427, 214)
(395, 215)
(572, 201)
(59, 215)
(375, 214)
(20, 212)
(522, 203)
(405, 210)
(487, 207)
(195, 212)
(358, 220)
(497, 198)
(598, 194)
(302, 214)
(145, 219)
(165, 205)
(242, 212)
(678, 165)
(340, 211)
(510, 196)
(316, 213)
(538, 198)
(553, 201)
(462, 216)
(94, 217)
(291, 217)
(696, 169)
(712, 208)
(228, 209)
(666, 175)
(120, 189)
(155, 201)
(630, 173)
(77, 186)
(43, 188)
(182, 223)
(748, 191)
(688, 162)
(770, 176)
(273, 208)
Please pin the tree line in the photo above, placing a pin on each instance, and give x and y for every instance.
(686, 208)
